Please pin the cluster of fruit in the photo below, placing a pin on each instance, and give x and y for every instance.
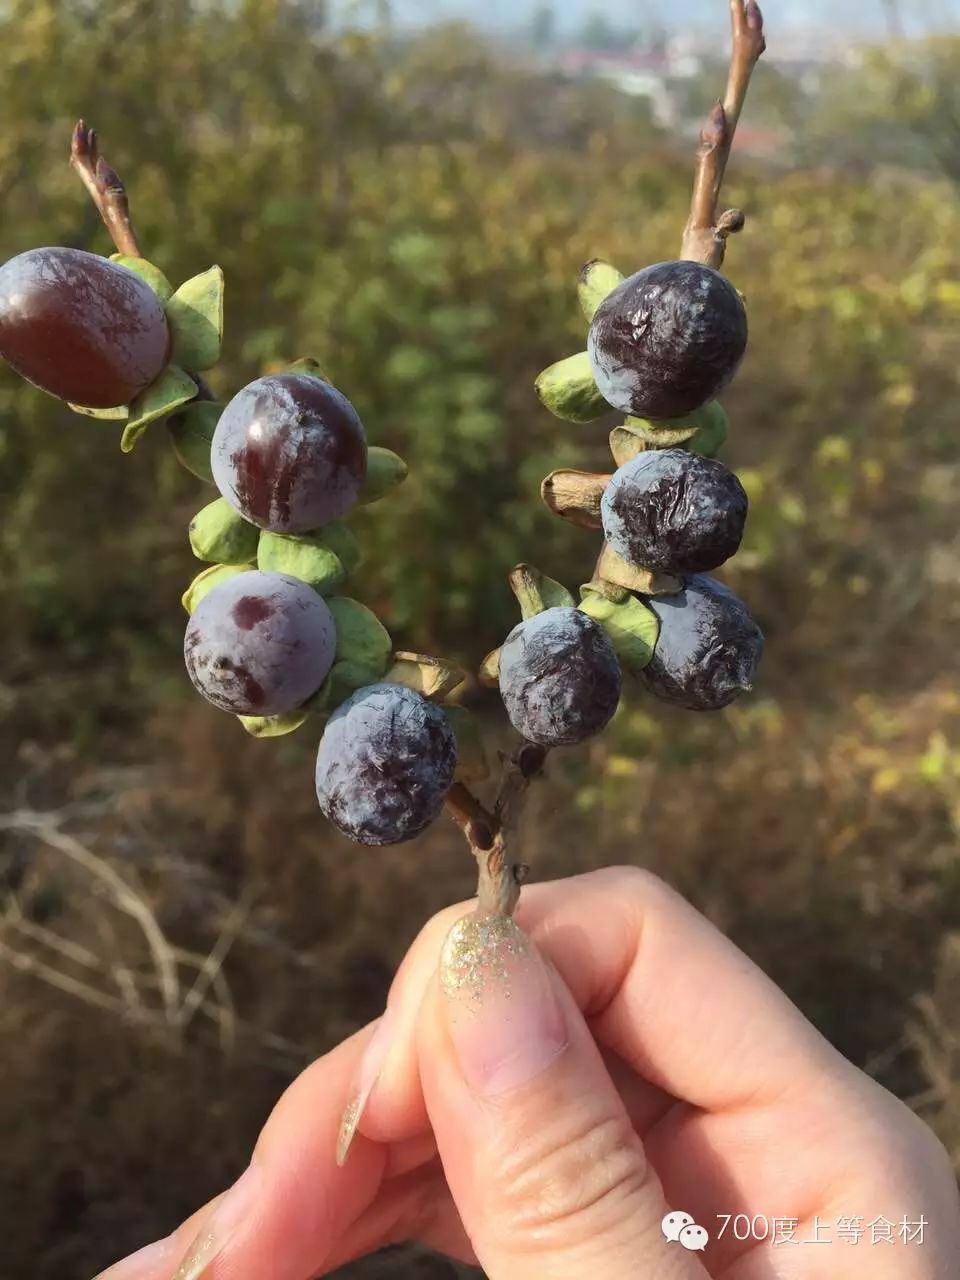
(269, 638)
(661, 346)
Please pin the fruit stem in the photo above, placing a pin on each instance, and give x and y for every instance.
(705, 236)
(487, 832)
(106, 190)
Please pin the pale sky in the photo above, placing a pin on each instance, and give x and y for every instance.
(866, 15)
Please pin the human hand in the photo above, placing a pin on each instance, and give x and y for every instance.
(539, 1110)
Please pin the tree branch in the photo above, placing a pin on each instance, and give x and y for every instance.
(106, 190)
(705, 236)
(488, 833)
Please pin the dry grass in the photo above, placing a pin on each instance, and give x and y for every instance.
(165, 929)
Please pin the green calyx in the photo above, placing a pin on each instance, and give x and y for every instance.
(362, 639)
(598, 279)
(274, 726)
(613, 570)
(323, 559)
(712, 433)
(307, 364)
(569, 391)
(195, 316)
(172, 389)
(219, 533)
(704, 431)
(435, 678)
(472, 762)
(633, 628)
(207, 580)
(386, 470)
(536, 592)
(118, 414)
(191, 435)
(147, 272)
(489, 673)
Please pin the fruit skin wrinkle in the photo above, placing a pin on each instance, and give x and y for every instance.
(675, 512)
(385, 764)
(667, 340)
(708, 650)
(560, 678)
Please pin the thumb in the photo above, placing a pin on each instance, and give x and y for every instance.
(547, 1174)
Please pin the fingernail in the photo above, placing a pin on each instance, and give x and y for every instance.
(142, 1265)
(505, 1020)
(230, 1213)
(369, 1070)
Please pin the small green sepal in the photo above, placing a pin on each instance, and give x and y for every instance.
(274, 726)
(147, 272)
(195, 316)
(598, 279)
(536, 592)
(386, 470)
(362, 639)
(207, 580)
(569, 391)
(435, 678)
(191, 435)
(632, 627)
(119, 414)
(489, 673)
(172, 389)
(703, 431)
(615, 570)
(307, 364)
(323, 559)
(220, 534)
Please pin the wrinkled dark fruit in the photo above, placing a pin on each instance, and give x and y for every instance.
(289, 453)
(560, 679)
(81, 327)
(385, 764)
(667, 340)
(259, 644)
(709, 647)
(674, 511)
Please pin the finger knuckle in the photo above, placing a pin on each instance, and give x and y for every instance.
(567, 1184)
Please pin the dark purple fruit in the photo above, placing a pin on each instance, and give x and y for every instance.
(667, 340)
(259, 644)
(289, 453)
(385, 764)
(81, 327)
(560, 679)
(674, 511)
(709, 647)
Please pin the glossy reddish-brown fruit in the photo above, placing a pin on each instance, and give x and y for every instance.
(289, 453)
(81, 327)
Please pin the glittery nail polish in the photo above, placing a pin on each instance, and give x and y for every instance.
(370, 1066)
(504, 1018)
(229, 1214)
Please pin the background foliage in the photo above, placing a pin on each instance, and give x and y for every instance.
(414, 215)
